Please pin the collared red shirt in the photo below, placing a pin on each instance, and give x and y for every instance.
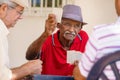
(5, 72)
(105, 39)
(54, 57)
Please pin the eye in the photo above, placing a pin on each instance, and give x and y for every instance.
(77, 26)
(67, 24)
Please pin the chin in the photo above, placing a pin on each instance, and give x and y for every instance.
(11, 26)
(69, 39)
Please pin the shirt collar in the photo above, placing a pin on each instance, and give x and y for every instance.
(3, 28)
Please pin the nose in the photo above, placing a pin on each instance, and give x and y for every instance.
(20, 17)
(72, 28)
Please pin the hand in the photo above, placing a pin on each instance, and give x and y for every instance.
(34, 66)
(76, 72)
(76, 63)
(50, 24)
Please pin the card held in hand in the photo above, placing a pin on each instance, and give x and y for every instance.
(73, 56)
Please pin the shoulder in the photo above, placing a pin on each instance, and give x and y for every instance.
(48, 40)
(101, 30)
(47, 43)
(83, 34)
(103, 27)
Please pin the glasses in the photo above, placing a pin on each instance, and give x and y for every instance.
(19, 12)
(77, 26)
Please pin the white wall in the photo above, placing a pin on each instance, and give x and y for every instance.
(21, 36)
(27, 30)
(97, 12)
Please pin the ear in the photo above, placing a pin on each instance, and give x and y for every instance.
(58, 25)
(3, 10)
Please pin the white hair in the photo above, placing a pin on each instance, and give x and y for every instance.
(8, 2)
(4, 1)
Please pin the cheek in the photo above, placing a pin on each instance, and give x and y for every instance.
(77, 31)
(9, 18)
(62, 29)
(12, 15)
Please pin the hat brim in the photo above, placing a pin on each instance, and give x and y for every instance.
(85, 23)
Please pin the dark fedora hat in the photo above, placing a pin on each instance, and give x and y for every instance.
(72, 12)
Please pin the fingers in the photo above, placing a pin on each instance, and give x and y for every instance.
(51, 23)
(38, 61)
(51, 16)
(76, 62)
(52, 19)
(35, 66)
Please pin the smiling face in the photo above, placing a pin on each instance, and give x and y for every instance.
(117, 6)
(69, 29)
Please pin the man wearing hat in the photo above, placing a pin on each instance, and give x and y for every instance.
(10, 13)
(68, 37)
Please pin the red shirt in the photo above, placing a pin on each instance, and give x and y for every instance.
(54, 56)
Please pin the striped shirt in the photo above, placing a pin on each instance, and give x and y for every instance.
(104, 40)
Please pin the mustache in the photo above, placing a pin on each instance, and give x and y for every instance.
(68, 32)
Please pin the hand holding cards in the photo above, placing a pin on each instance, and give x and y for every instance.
(73, 56)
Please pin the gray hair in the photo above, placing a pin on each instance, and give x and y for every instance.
(10, 3)
(3, 1)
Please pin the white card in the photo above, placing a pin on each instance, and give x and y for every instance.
(73, 55)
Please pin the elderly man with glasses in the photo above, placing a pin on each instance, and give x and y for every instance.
(10, 13)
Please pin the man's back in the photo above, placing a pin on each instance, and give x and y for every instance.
(104, 40)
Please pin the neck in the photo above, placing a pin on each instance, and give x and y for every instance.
(65, 43)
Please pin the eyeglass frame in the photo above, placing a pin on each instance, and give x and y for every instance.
(67, 24)
(19, 12)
